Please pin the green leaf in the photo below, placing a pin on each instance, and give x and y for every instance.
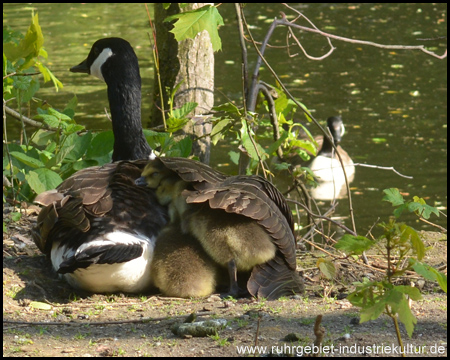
(34, 182)
(101, 145)
(400, 209)
(405, 315)
(83, 164)
(154, 138)
(59, 115)
(216, 133)
(32, 89)
(421, 208)
(234, 157)
(183, 111)
(276, 144)
(43, 179)
(181, 148)
(230, 109)
(375, 310)
(28, 160)
(81, 144)
(327, 268)
(16, 216)
(72, 104)
(175, 124)
(412, 292)
(393, 196)
(190, 23)
(430, 273)
(249, 146)
(73, 128)
(48, 76)
(43, 137)
(354, 244)
(282, 166)
(50, 120)
(306, 145)
(29, 46)
(411, 235)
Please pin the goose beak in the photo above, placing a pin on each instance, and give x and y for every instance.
(81, 68)
(140, 181)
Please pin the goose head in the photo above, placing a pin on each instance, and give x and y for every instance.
(326, 166)
(168, 187)
(337, 130)
(114, 61)
(154, 174)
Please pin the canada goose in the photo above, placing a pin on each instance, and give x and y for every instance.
(242, 222)
(180, 266)
(98, 227)
(326, 165)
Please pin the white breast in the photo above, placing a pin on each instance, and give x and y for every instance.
(131, 276)
(329, 169)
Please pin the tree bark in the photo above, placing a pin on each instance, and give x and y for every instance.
(191, 63)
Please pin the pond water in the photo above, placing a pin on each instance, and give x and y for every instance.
(393, 102)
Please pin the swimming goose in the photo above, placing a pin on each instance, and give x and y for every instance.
(326, 165)
(242, 222)
(98, 228)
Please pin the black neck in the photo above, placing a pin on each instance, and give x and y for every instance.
(334, 127)
(327, 148)
(125, 106)
(124, 95)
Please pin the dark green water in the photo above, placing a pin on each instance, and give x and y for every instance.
(397, 96)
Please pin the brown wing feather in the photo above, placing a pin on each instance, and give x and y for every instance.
(193, 171)
(258, 199)
(249, 200)
(91, 193)
(273, 279)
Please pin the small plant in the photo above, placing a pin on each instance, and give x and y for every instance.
(221, 342)
(403, 249)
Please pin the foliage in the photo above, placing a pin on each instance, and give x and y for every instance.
(22, 55)
(61, 146)
(253, 130)
(403, 249)
(417, 206)
(190, 23)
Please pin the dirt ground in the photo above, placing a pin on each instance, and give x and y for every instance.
(43, 316)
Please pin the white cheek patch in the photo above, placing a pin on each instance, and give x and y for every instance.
(96, 67)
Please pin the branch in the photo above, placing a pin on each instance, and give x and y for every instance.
(283, 21)
(287, 92)
(383, 168)
(323, 217)
(27, 120)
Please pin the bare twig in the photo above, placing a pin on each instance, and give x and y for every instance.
(287, 92)
(384, 168)
(20, 74)
(322, 217)
(319, 332)
(355, 41)
(27, 120)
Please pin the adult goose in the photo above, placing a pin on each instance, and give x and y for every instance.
(242, 222)
(98, 228)
(326, 165)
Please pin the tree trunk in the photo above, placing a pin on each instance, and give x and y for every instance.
(191, 63)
